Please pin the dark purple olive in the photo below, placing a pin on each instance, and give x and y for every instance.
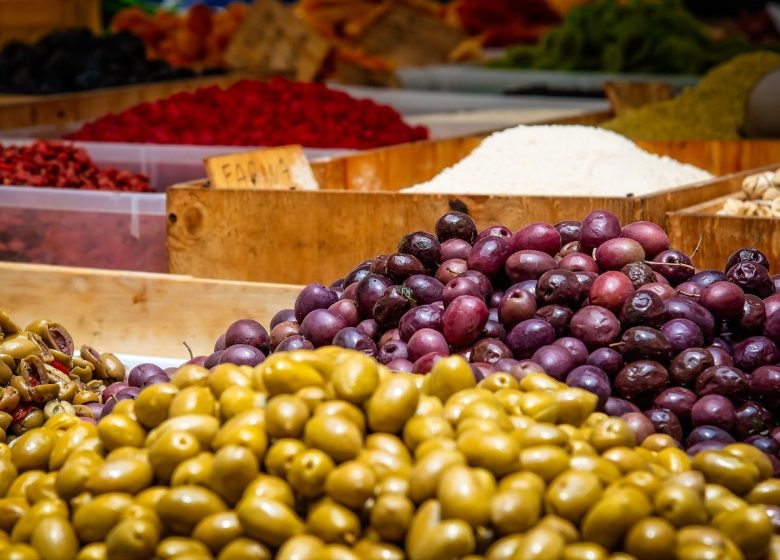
(640, 274)
(644, 343)
(569, 231)
(528, 336)
(495, 299)
(245, 355)
(772, 326)
(578, 262)
(720, 356)
(160, 378)
(609, 360)
(752, 419)
(517, 305)
(393, 350)
(722, 380)
(765, 443)
(752, 278)
(357, 274)
(320, 326)
(749, 255)
(349, 292)
(279, 317)
(426, 362)
(249, 332)
(720, 342)
(765, 386)
(455, 249)
(456, 225)
(482, 280)
(650, 236)
(528, 265)
(379, 265)
(295, 342)
(313, 296)
(426, 341)
(481, 370)
(615, 254)
(618, 407)
(752, 318)
(353, 339)
(536, 236)
(424, 246)
(285, 329)
(220, 343)
(558, 286)
(682, 334)
(559, 316)
(368, 292)
(422, 317)
(776, 280)
(463, 320)
(213, 359)
(681, 308)
(140, 373)
(707, 277)
(95, 408)
(690, 290)
(643, 308)
(387, 336)
(523, 368)
(674, 265)
(701, 434)
(527, 285)
(392, 305)
(688, 365)
(450, 269)
(369, 328)
(596, 326)
(723, 299)
(575, 347)
(494, 329)
(596, 228)
(110, 403)
(495, 231)
(490, 350)
(714, 410)
(488, 256)
(505, 364)
(348, 310)
(591, 379)
(401, 266)
(639, 424)
(556, 361)
(694, 450)
(665, 422)
(664, 291)
(131, 392)
(641, 381)
(465, 353)
(399, 364)
(755, 352)
(568, 249)
(113, 389)
(460, 286)
(611, 290)
(677, 399)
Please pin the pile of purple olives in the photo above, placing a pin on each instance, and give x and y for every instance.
(608, 308)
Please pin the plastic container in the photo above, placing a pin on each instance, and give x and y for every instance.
(121, 231)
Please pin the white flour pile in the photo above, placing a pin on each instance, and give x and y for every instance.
(561, 160)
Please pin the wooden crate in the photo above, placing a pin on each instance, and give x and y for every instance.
(135, 312)
(29, 20)
(307, 236)
(719, 157)
(722, 235)
(62, 109)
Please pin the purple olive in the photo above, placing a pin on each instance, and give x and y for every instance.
(559, 316)
(618, 407)
(640, 424)
(455, 249)
(353, 339)
(161, 378)
(348, 310)
(220, 343)
(456, 225)
(677, 399)
(393, 350)
(424, 246)
(558, 286)
(569, 231)
(765, 386)
(665, 422)
(752, 419)
(681, 308)
(490, 351)
(747, 254)
(591, 379)
(280, 317)
(505, 364)
(495, 231)
(596, 326)
(755, 352)
(369, 328)
(608, 360)
(536, 236)
(400, 364)
(528, 336)
(213, 359)
(650, 236)
(320, 326)
(726, 381)
(752, 278)
(368, 292)
(295, 342)
(425, 289)
(494, 329)
(714, 410)
(643, 308)
(674, 265)
(426, 362)
(426, 341)
(488, 256)
(578, 262)
(421, 317)
(517, 305)
(575, 347)
(707, 277)
(242, 355)
(701, 434)
(460, 286)
(113, 389)
(140, 373)
(313, 296)
(463, 320)
(596, 228)
(528, 265)
(682, 334)
(555, 360)
(401, 266)
(391, 306)
(641, 381)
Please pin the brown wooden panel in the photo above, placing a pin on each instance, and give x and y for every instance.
(719, 157)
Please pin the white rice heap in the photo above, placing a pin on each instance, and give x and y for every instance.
(561, 161)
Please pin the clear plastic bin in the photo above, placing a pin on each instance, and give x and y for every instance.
(121, 231)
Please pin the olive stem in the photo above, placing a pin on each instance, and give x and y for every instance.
(688, 294)
(684, 265)
(698, 245)
(187, 346)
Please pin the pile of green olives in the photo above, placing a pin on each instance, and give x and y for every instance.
(327, 455)
(40, 377)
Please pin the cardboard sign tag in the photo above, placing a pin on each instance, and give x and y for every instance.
(410, 36)
(273, 42)
(283, 168)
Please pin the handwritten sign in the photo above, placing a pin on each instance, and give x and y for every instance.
(273, 42)
(280, 168)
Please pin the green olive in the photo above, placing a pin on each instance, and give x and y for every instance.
(280, 456)
(286, 416)
(20, 347)
(269, 521)
(286, 377)
(355, 377)
(753, 455)
(115, 369)
(393, 403)
(129, 475)
(23, 529)
(434, 444)
(333, 523)
(448, 376)
(225, 376)
(718, 499)
(217, 530)
(680, 506)
(170, 450)
(652, 539)
(95, 519)
(425, 475)
(541, 543)
(77, 470)
(11, 511)
(585, 551)
(515, 510)
(19, 552)
(190, 375)
(301, 547)
(351, 484)
(566, 528)
(31, 451)
(610, 518)
(335, 435)
(67, 442)
(369, 550)
(606, 471)
(54, 539)
(8, 474)
(430, 538)
(734, 473)
(765, 492)
(192, 400)
(497, 452)
(522, 480)
(245, 549)
(312, 396)
(94, 551)
(183, 507)
(548, 461)
(612, 432)
(270, 488)
(504, 548)
(391, 516)
(237, 399)
(750, 528)
(542, 406)
(427, 405)
(195, 471)
(234, 467)
(118, 430)
(309, 471)
(172, 548)
(24, 482)
(541, 434)
(150, 497)
(462, 496)
(572, 493)
(344, 409)
(132, 539)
